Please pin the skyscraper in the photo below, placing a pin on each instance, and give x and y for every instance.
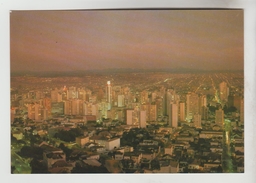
(197, 120)
(130, 117)
(142, 119)
(192, 105)
(182, 111)
(224, 91)
(109, 94)
(120, 101)
(173, 115)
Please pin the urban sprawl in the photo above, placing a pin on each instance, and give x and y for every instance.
(134, 122)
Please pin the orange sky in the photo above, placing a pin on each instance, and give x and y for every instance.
(88, 40)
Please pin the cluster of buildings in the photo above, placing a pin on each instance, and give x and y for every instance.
(194, 138)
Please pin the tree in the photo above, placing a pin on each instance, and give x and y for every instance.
(155, 164)
(37, 166)
(66, 150)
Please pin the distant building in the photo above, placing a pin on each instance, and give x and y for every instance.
(192, 105)
(182, 111)
(142, 119)
(130, 117)
(120, 101)
(224, 91)
(151, 111)
(173, 115)
(197, 121)
(109, 94)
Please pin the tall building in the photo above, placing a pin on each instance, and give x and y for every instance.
(197, 121)
(182, 111)
(219, 117)
(47, 104)
(142, 119)
(173, 115)
(81, 94)
(67, 107)
(120, 101)
(171, 97)
(202, 103)
(234, 101)
(76, 107)
(151, 111)
(159, 106)
(56, 96)
(224, 91)
(130, 117)
(144, 97)
(90, 109)
(109, 94)
(34, 111)
(72, 93)
(192, 105)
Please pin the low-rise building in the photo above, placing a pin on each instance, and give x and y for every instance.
(82, 140)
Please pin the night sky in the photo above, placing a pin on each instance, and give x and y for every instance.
(143, 39)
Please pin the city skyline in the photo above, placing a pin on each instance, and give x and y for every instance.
(65, 41)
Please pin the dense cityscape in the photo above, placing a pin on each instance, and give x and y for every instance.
(127, 91)
(128, 122)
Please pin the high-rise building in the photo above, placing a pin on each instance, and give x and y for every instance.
(182, 111)
(202, 103)
(34, 111)
(72, 93)
(219, 117)
(67, 107)
(159, 106)
(197, 121)
(130, 117)
(144, 97)
(171, 97)
(224, 91)
(151, 111)
(173, 115)
(56, 96)
(142, 119)
(109, 94)
(47, 104)
(120, 101)
(192, 105)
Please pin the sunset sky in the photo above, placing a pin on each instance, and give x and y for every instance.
(143, 39)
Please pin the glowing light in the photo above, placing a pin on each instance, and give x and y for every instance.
(108, 82)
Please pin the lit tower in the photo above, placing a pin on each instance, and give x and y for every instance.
(109, 94)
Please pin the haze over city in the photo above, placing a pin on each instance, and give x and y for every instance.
(142, 39)
(127, 91)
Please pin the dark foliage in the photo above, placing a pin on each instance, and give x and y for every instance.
(69, 136)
